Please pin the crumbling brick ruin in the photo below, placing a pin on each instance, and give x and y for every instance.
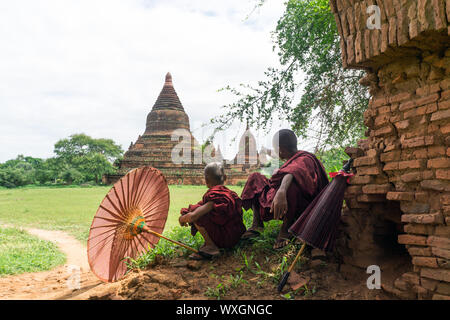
(398, 203)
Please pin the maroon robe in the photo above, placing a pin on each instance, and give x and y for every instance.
(224, 223)
(309, 179)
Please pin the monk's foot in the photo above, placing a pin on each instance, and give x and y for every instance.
(282, 241)
(211, 250)
(252, 232)
(200, 256)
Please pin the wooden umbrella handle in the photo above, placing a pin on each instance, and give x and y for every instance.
(147, 229)
(297, 257)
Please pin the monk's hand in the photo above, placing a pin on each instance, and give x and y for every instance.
(279, 205)
(184, 220)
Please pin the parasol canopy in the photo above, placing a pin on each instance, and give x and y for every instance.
(138, 202)
(317, 225)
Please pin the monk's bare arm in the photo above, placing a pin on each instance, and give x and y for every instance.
(279, 204)
(286, 183)
(193, 216)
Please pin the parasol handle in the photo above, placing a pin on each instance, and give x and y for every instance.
(285, 276)
(147, 229)
(291, 267)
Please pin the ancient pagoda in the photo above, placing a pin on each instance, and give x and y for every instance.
(155, 147)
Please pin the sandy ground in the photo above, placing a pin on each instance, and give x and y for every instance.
(178, 279)
(59, 283)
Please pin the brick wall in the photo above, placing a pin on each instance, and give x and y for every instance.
(403, 167)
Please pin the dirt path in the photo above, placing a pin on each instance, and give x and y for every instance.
(58, 283)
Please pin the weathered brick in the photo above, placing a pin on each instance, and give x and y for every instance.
(400, 97)
(353, 190)
(376, 188)
(412, 239)
(360, 179)
(442, 230)
(411, 176)
(428, 99)
(444, 105)
(443, 288)
(429, 284)
(437, 185)
(390, 156)
(364, 161)
(390, 166)
(415, 112)
(421, 196)
(411, 277)
(443, 174)
(428, 89)
(438, 163)
(354, 152)
(418, 142)
(412, 164)
(369, 170)
(400, 196)
(432, 218)
(445, 199)
(414, 228)
(445, 129)
(440, 242)
(436, 274)
(441, 252)
(429, 262)
(401, 125)
(436, 151)
(414, 207)
(419, 251)
(381, 120)
(383, 131)
(440, 115)
(420, 153)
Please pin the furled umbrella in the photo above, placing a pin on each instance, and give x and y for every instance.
(317, 225)
(130, 218)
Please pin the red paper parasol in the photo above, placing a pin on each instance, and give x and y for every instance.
(138, 202)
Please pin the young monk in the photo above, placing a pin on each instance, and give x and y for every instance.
(288, 192)
(218, 217)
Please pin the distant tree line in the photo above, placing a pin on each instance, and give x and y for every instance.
(78, 159)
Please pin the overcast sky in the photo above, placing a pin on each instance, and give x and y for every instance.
(97, 66)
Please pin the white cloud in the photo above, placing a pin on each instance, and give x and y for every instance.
(98, 66)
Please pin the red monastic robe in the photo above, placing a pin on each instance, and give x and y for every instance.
(309, 179)
(224, 223)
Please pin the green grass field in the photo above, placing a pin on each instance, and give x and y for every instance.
(21, 252)
(72, 209)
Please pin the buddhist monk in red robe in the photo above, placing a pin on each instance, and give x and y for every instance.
(218, 216)
(288, 192)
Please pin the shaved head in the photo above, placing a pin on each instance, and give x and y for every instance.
(215, 173)
(285, 139)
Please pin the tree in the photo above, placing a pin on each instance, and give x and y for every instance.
(19, 172)
(79, 145)
(81, 158)
(332, 101)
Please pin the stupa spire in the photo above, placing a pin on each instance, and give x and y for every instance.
(167, 113)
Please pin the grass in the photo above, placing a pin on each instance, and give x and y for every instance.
(72, 209)
(21, 252)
